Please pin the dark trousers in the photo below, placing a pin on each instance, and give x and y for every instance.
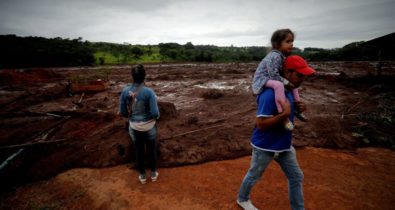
(145, 141)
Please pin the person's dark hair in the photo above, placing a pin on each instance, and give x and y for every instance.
(138, 73)
(279, 36)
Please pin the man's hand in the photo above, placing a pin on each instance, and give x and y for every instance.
(300, 106)
(265, 123)
(286, 108)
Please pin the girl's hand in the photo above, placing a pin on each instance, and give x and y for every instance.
(290, 86)
(300, 106)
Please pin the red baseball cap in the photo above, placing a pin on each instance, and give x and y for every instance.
(298, 64)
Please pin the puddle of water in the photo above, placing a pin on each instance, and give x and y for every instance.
(226, 85)
(216, 85)
(180, 102)
(182, 94)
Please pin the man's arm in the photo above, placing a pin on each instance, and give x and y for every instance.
(264, 123)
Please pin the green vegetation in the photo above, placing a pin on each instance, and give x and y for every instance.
(376, 49)
(105, 57)
(18, 52)
(109, 53)
(381, 48)
(100, 74)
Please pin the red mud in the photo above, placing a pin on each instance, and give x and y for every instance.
(207, 115)
(28, 76)
(334, 179)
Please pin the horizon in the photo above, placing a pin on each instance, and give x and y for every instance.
(137, 44)
(316, 23)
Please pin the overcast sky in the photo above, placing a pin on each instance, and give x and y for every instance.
(316, 23)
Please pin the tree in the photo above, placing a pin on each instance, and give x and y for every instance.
(137, 52)
(189, 46)
(149, 51)
(20, 52)
(101, 60)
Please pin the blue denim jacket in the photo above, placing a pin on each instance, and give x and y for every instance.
(145, 106)
(269, 68)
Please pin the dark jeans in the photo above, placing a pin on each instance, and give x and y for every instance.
(145, 141)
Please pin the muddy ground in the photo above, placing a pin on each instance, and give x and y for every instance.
(341, 180)
(207, 115)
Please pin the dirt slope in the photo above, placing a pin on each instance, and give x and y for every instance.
(334, 179)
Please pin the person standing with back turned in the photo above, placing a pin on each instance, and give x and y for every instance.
(139, 104)
(270, 140)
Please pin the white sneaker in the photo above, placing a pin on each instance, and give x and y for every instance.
(246, 205)
(142, 179)
(154, 176)
(289, 126)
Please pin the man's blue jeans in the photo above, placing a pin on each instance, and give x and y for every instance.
(287, 160)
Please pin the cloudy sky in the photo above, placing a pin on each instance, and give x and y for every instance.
(316, 23)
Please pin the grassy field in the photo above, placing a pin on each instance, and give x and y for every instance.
(109, 58)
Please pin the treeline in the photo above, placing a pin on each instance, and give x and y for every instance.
(40, 52)
(210, 53)
(19, 52)
(174, 52)
(381, 48)
(351, 52)
(111, 53)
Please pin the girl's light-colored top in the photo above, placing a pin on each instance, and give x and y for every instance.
(268, 69)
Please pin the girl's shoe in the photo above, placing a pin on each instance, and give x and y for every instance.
(288, 125)
(301, 116)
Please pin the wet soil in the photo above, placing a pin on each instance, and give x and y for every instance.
(333, 179)
(207, 115)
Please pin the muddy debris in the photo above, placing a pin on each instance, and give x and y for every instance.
(211, 94)
(167, 110)
(198, 124)
(29, 76)
(192, 120)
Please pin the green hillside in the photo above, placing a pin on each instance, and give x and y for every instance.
(19, 52)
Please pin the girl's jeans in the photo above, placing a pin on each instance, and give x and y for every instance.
(287, 160)
(142, 141)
